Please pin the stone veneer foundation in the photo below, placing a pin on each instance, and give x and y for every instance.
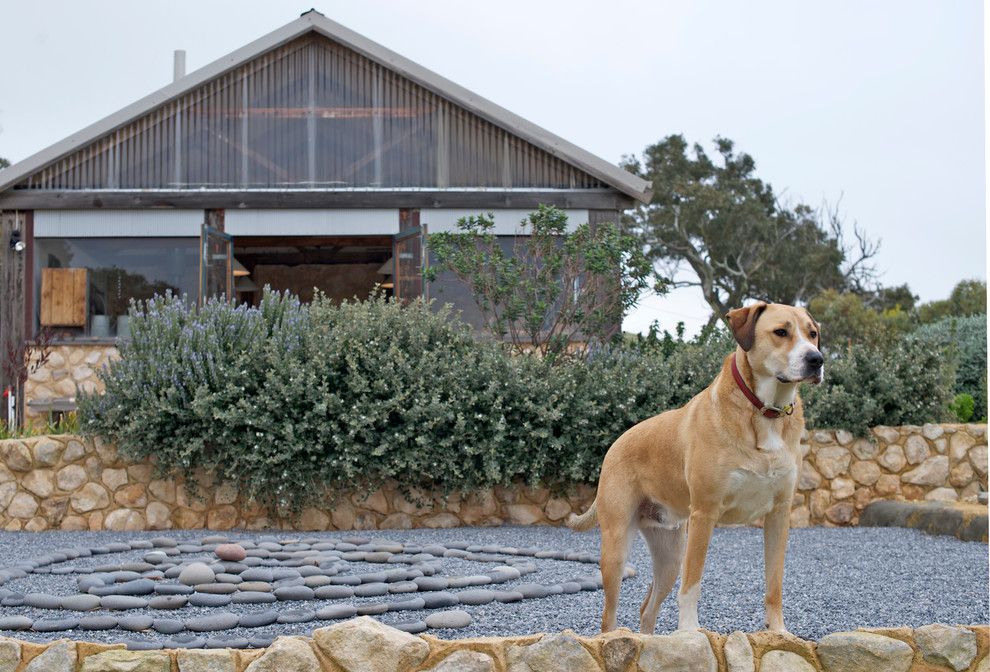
(68, 366)
(363, 644)
(72, 483)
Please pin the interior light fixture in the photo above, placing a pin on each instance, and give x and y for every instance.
(239, 270)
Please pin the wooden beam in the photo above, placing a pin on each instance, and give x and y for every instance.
(30, 199)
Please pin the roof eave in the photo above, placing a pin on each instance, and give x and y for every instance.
(616, 177)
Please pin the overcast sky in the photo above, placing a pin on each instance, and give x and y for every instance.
(880, 103)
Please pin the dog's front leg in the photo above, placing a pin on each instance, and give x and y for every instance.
(700, 526)
(775, 529)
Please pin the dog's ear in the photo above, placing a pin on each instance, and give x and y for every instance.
(742, 321)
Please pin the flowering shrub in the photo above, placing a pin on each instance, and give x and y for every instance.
(292, 401)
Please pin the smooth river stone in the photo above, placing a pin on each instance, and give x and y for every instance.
(98, 623)
(231, 552)
(257, 620)
(164, 542)
(402, 587)
(258, 574)
(294, 593)
(372, 609)
(224, 577)
(42, 601)
(432, 583)
(209, 600)
(216, 588)
(123, 602)
(317, 581)
(173, 589)
(439, 599)
(412, 627)
(135, 623)
(336, 611)
(168, 626)
(142, 645)
(455, 618)
(476, 597)
(55, 624)
(196, 573)
(223, 620)
(255, 586)
(415, 604)
(371, 589)
(334, 592)
(506, 596)
(168, 602)
(15, 623)
(296, 616)
(227, 642)
(185, 642)
(253, 597)
(81, 602)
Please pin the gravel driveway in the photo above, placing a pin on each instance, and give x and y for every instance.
(836, 579)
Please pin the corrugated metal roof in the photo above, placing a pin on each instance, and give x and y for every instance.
(313, 21)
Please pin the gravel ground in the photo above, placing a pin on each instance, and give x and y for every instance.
(836, 579)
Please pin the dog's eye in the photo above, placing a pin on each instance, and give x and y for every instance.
(814, 334)
(780, 332)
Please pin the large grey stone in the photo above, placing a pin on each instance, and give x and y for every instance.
(619, 651)
(683, 650)
(465, 661)
(196, 573)
(123, 602)
(476, 597)
(738, 653)
(10, 654)
(784, 661)
(127, 661)
(862, 652)
(365, 645)
(336, 611)
(553, 652)
(286, 654)
(455, 618)
(200, 660)
(946, 645)
(60, 656)
(223, 620)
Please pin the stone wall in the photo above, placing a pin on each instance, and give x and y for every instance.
(70, 483)
(68, 366)
(365, 644)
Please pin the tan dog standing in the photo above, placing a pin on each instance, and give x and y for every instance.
(730, 455)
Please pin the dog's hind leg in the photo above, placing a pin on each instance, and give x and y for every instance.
(667, 550)
(615, 518)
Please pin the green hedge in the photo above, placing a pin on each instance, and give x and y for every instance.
(966, 337)
(289, 399)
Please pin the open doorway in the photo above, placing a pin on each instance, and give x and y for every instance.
(342, 267)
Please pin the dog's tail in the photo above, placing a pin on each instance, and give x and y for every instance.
(586, 520)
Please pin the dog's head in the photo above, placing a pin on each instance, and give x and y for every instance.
(780, 341)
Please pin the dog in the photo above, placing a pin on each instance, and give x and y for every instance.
(730, 455)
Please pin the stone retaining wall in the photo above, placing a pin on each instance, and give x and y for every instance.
(70, 483)
(364, 644)
(68, 366)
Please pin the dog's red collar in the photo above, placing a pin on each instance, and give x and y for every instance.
(767, 410)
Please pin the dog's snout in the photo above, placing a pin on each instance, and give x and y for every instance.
(814, 359)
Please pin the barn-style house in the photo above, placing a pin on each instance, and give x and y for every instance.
(311, 157)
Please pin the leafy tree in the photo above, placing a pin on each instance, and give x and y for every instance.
(3, 163)
(556, 292)
(890, 298)
(968, 297)
(727, 226)
(847, 319)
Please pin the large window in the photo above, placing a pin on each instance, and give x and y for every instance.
(117, 270)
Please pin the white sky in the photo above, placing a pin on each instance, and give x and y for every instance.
(881, 103)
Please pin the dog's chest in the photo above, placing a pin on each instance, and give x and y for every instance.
(752, 491)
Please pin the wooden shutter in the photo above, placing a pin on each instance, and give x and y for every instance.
(64, 297)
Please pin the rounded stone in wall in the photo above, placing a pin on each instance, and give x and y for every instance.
(22, 505)
(124, 519)
(90, 497)
(892, 459)
(916, 449)
(865, 472)
(71, 477)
